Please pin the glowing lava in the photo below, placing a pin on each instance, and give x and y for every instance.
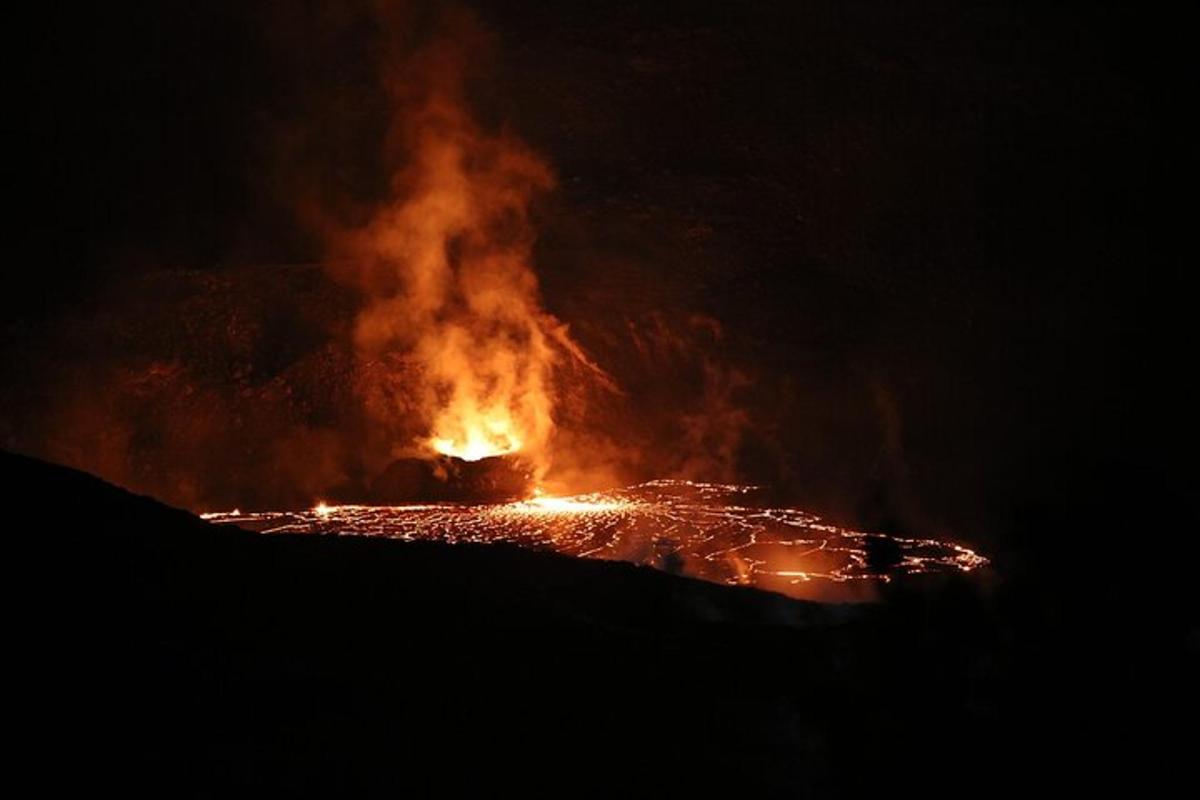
(709, 531)
(567, 505)
(479, 437)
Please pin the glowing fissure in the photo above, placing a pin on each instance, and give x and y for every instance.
(708, 531)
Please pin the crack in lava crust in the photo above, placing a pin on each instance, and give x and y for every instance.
(704, 530)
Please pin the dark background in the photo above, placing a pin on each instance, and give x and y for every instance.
(935, 240)
(943, 245)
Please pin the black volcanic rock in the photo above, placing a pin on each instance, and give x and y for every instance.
(883, 552)
(232, 662)
(446, 478)
(157, 652)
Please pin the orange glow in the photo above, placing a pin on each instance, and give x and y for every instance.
(445, 266)
(476, 435)
(583, 504)
(704, 530)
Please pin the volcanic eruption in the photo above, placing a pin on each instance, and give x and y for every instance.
(461, 369)
(413, 384)
(627, 399)
(449, 294)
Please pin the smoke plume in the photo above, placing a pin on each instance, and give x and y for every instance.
(444, 264)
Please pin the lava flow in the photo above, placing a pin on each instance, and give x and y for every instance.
(715, 532)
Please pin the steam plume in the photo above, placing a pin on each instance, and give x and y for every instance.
(445, 263)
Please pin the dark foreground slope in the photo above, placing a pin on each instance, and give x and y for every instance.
(159, 654)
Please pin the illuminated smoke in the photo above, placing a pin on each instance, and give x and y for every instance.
(445, 266)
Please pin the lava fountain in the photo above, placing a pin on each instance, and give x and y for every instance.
(444, 268)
